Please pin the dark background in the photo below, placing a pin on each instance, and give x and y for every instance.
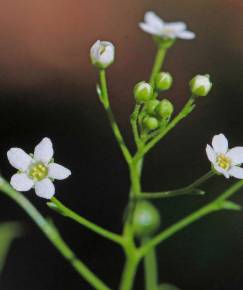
(47, 88)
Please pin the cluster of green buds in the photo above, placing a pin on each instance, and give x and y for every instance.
(155, 112)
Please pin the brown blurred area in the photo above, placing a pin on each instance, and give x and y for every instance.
(47, 88)
(42, 41)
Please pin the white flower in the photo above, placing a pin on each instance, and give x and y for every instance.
(224, 160)
(102, 54)
(153, 24)
(38, 171)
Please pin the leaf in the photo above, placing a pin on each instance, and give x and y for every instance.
(166, 286)
(8, 232)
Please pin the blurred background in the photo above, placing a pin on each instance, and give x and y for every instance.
(47, 88)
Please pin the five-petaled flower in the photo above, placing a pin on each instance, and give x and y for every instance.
(154, 25)
(38, 171)
(224, 160)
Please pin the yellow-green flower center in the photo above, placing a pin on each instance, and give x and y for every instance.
(223, 161)
(38, 171)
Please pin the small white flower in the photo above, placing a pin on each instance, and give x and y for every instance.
(153, 24)
(224, 160)
(38, 171)
(102, 54)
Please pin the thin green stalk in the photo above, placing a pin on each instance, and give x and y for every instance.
(150, 268)
(86, 223)
(134, 123)
(128, 274)
(53, 235)
(115, 128)
(159, 58)
(188, 107)
(213, 206)
(190, 189)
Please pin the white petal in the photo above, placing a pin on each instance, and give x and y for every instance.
(153, 20)
(236, 172)
(220, 143)
(186, 35)
(44, 151)
(150, 29)
(177, 26)
(108, 56)
(57, 171)
(45, 188)
(221, 170)
(236, 155)
(21, 182)
(211, 154)
(19, 159)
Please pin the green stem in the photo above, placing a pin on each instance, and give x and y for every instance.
(188, 107)
(190, 189)
(159, 58)
(213, 206)
(86, 223)
(150, 268)
(111, 117)
(53, 235)
(130, 268)
(134, 123)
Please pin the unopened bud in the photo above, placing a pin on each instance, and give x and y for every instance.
(164, 109)
(200, 85)
(150, 106)
(143, 92)
(146, 220)
(102, 54)
(163, 81)
(150, 123)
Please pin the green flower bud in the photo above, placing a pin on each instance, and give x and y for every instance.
(200, 85)
(164, 109)
(146, 219)
(150, 106)
(150, 123)
(163, 81)
(143, 92)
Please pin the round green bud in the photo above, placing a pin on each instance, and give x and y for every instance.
(146, 219)
(164, 109)
(150, 123)
(200, 85)
(143, 92)
(163, 81)
(150, 106)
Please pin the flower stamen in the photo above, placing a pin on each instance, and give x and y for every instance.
(223, 161)
(38, 171)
